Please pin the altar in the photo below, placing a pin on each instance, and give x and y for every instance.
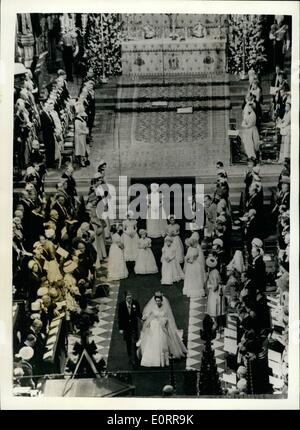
(171, 57)
(173, 95)
(173, 44)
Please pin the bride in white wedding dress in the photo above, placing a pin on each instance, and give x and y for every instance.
(159, 337)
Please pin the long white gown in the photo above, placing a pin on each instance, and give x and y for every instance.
(117, 268)
(159, 337)
(173, 230)
(156, 216)
(130, 238)
(145, 262)
(194, 276)
(250, 136)
(170, 270)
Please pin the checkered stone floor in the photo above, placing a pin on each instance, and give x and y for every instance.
(102, 331)
(195, 344)
(218, 346)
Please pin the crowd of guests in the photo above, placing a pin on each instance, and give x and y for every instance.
(60, 240)
(279, 112)
(55, 254)
(42, 126)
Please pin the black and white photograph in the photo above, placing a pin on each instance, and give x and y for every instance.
(152, 203)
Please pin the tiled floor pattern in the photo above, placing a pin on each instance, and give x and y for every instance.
(195, 344)
(102, 331)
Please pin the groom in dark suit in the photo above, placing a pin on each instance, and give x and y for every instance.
(129, 314)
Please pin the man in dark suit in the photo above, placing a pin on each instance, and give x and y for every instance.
(252, 229)
(129, 315)
(258, 269)
(48, 129)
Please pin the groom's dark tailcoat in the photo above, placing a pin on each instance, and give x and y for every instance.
(129, 323)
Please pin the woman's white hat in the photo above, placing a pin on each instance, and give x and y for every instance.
(69, 266)
(211, 262)
(26, 353)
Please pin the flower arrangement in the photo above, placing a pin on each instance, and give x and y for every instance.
(103, 46)
(246, 44)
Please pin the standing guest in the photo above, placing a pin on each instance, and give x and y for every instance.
(171, 271)
(145, 263)
(48, 131)
(58, 132)
(258, 269)
(98, 226)
(69, 45)
(256, 92)
(210, 210)
(116, 261)
(194, 274)
(285, 131)
(173, 230)
(34, 279)
(102, 167)
(220, 166)
(279, 34)
(23, 359)
(81, 132)
(70, 183)
(36, 330)
(252, 229)
(254, 200)
(60, 207)
(201, 259)
(215, 300)
(248, 286)
(281, 98)
(250, 136)
(129, 315)
(248, 179)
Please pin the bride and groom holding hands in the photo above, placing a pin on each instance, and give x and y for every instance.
(159, 337)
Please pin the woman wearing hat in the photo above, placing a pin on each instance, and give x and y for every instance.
(81, 133)
(194, 274)
(170, 271)
(173, 230)
(130, 237)
(145, 263)
(250, 136)
(216, 298)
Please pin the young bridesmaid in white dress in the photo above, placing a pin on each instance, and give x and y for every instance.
(145, 262)
(170, 271)
(194, 276)
(117, 268)
(130, 237)
(173, 230)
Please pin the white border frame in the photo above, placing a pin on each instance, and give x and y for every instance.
(9, 8)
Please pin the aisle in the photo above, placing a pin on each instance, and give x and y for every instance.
(149, 381)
